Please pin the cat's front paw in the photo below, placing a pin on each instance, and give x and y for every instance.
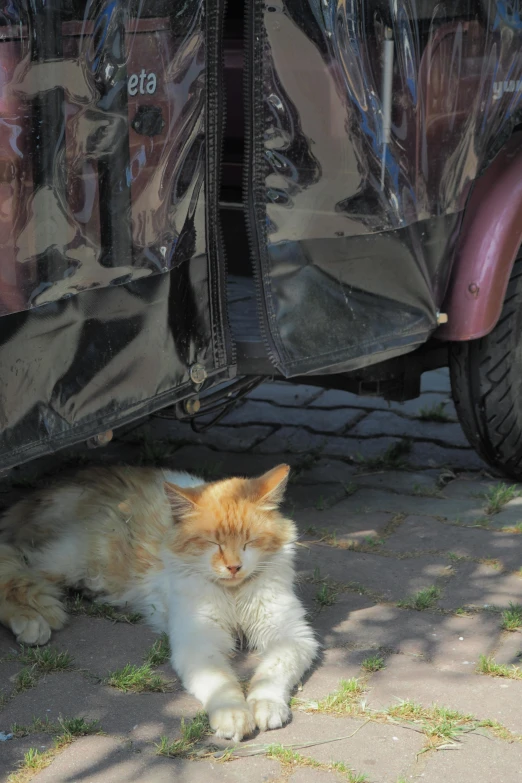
(269, 714)
(32, 630)
(232, 722)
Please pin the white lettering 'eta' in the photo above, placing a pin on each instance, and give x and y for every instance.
(143, 83)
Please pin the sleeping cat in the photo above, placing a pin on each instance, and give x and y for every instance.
(201, 561)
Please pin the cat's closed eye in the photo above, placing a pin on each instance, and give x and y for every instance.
(250, 541)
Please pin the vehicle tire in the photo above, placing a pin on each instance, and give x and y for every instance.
(486, 381)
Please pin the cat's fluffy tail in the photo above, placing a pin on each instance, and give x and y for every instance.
(30, 602)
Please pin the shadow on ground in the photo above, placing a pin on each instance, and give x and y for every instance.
(404, 555)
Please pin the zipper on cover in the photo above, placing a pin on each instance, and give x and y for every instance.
(216, 107)
(254, 161)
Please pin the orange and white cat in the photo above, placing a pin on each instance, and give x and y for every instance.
(201, 561)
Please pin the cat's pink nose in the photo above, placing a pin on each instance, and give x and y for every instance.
(234, 569)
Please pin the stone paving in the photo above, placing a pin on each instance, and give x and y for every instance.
(409, 556)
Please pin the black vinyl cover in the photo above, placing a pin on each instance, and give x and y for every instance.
(111, 274)
(369, 121)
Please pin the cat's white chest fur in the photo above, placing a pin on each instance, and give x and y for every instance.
(253, 608)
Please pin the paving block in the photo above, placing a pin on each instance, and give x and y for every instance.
(315, 496)
(8, 643)
(328, 471)
(286, 394)
(429, 455)
(436, 381)
(480, 695)
(423, 454)
(390, 423)
(402, 481)
(310, 775)
(101, 646)
(8, 675)
(293, 440)
(70, 695)
(450, 642)
(381, 752)
(478, 759)
(393, 579)
(471, 485)
(328, 622)
(318, 419)
(109, 760)
(334, 398)
(477, 584)
(12, 752)
(333, 665)
(346, 527)
(215, 464)
(423, 533)
(369, 500)
(509, 649)
(222, 438)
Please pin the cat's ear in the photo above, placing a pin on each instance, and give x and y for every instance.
(270, 487)
(182, 500)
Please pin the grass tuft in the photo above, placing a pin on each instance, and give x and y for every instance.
(350, 488)
(373, 664)
(512, 617)
(33, 759)
(66, 731)
(497, 497)
(343, 701)
(25, 679)
(192, 732)
(156, 452)
(426, 492)
(487, 665)
(482, 522)
(436, 412)
(454, 557)
(159, 652)
(424, 599)
(440, 725)
(373, 543)
(513, 528)
(395, 456)
(326, 595)
(137, 679)
(46, 659)
(70, 728)
(79, 606)
(290, 758)
(322, 503)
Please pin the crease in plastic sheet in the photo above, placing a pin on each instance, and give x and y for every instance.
(102, 110)
(378, 118)
(105, 251)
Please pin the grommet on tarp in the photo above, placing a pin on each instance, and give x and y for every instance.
(192, 405)
(198, 374)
